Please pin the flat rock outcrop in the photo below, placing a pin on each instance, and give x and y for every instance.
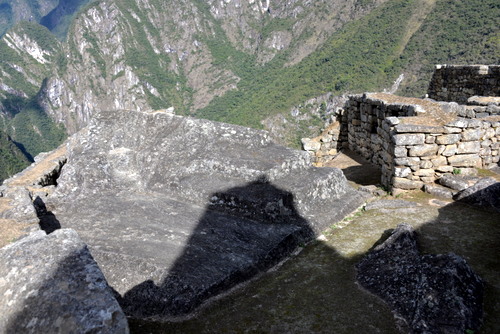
(176, 210)
(427, 293)
(51, 284)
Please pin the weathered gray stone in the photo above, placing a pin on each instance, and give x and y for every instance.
(407, 161)
(427, 293)
(417, 128)
(423, 150)
(439, 161)
(459, 123)
(449, 150)
(51, 284)
(472, 134)
(400, 151)
(468, 147)
(392, 121)
(408, 139)
(310, 144)
(406, 184)
(402, 172)
(425, 172)
(444, 169)
(485, 193)
(457, 182)
(465, 160)
(426, 164)
(448, 139)
(448, 129)
(439, 191)
(181, 209)
(21, 209)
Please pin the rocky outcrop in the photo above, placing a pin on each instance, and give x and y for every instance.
(484, 193)
(51, 284)
(427, 293)
(176, 210)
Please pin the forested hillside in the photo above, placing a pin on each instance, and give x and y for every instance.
(233, 61)
(12, 158)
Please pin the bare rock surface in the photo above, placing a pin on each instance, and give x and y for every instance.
(427, 293)
(51, 284)
(485, 193)
(176, 210)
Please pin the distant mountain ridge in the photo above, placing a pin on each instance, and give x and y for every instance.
(242, 62)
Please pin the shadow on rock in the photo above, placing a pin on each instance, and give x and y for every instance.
(316, 292)
(48, 221)
(244, 230)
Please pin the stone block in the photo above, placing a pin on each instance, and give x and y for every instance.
(448, 139)
(407, 161)
(423, 150)
(326, 138)
(486, 143)
(409, 139)
(472, 134)
(489, 133)
(417, 128)
(458, 123)
(426, 164)
(310, 144)
(425, 172)
(468, 147)
(474, 123)
(392, 121)
(448, 129)
(402, 171)
(400, 151)
(438, 191)
(465, 160)
(428, 179)
(430, 139)
(406, 184)
(449, 150)
(444, 169)
(51, 284)
(439, 161)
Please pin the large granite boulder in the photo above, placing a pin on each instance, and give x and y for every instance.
(176, 209)
(51, 284)
(485, 193)
(427, 293)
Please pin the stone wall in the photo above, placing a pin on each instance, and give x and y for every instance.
(459, 83)
(413, 141)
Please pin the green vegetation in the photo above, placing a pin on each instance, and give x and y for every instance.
(365, 55)
(25, 128)
(455, 32)
(35, 130)
(13, 160)
(356, 58)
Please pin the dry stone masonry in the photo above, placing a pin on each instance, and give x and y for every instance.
(415, 141)
(454, 83)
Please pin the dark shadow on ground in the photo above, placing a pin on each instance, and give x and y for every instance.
(315, 291)
(357, 169)
(244, 231)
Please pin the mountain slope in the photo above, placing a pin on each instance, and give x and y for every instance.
(234, 61)
(13, 160)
